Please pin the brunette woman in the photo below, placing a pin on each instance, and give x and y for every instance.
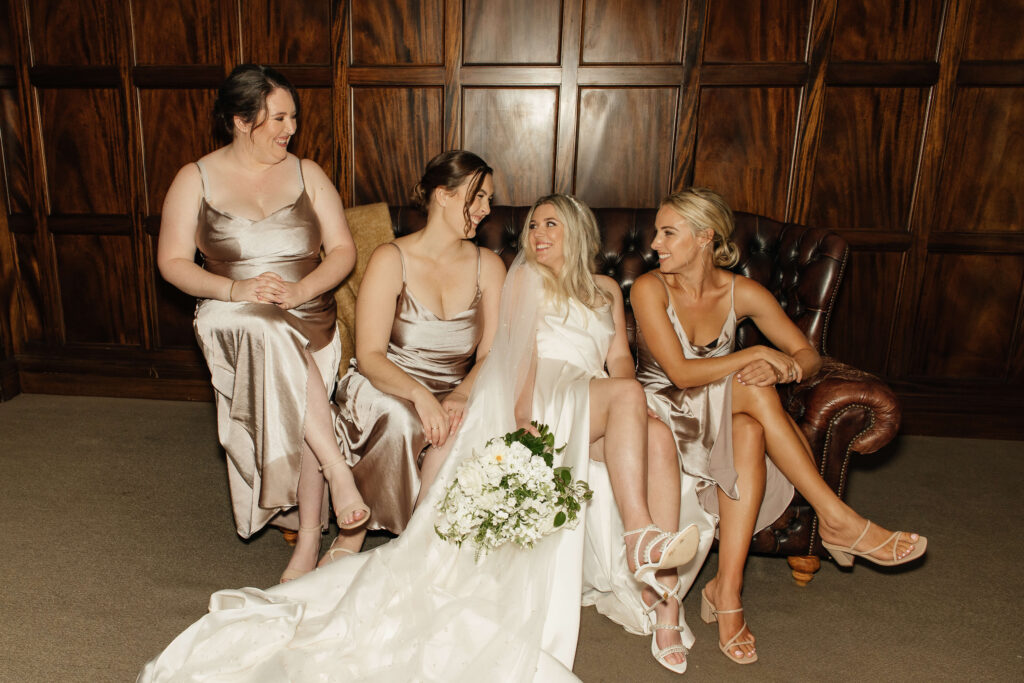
(265, 320)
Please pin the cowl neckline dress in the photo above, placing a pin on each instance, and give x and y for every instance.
(255, 352)
(701, 420)
(381, 434)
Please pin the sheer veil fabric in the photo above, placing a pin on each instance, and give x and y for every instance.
(419, 608)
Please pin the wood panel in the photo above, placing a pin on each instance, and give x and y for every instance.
(887, 30)
(981, 180)
(315, 137)
(397, 32)
(632, 32)
(6, 34)
(282, 32)
(30, 285)
(966, 326)
(500, 32)
(522, 153)
(736, 30)
(744, 137)
(396, 131)
(866, 163)
(894, 123)
(618, 162)
(75, 31)
(172, 141)
(98, 289)
(865, 309)
(176, 32)
(994, 30)
(174, 311)
(84, 149)
(14, 154)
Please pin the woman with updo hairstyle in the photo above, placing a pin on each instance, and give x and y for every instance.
(731, 432)
(425, 318)
(265, 319)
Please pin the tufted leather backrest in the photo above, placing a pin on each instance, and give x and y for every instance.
(802, 267)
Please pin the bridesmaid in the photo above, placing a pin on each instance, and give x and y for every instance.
(265, 320)
(425, 318)
(724, 410)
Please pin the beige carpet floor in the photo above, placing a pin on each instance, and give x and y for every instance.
(116, 529)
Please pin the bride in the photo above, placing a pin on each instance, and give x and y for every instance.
(420, 608)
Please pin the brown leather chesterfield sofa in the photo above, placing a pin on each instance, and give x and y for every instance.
(841, 410)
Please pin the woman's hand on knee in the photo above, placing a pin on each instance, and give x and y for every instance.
(759, 373)
(455, 405)
(433, 417)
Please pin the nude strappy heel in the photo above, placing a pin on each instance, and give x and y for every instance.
(291, 574)
(347, 511)
(678, 549)
(334, 552)
(709, 613)
(844, 556)
(661, 654)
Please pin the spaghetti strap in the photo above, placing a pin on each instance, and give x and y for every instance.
(478, 268)
(302, 181)
(665, 285)
(400, 258)
(203, 179)
(732, 294)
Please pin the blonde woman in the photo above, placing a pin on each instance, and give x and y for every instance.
(723, 409)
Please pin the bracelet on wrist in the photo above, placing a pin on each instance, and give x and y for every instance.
(231, 291)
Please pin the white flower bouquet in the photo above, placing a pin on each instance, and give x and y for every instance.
(510, 491)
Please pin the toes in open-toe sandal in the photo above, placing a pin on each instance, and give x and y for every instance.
(709, 614)
(350, 509)
(678, 548)
(844, 555)
(660, 654)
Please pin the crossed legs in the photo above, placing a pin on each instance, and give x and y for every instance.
(320, 447)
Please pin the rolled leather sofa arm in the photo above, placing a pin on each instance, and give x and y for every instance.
(839, 396)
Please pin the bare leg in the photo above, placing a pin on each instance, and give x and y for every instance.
(320, 438)
(788, 449)
(310, 498)
(618, 412)
(735, 527)
(432, 461)
(663, 500)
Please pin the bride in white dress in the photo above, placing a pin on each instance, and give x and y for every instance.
(420, 608)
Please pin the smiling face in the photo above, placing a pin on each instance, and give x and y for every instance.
(546, 237)
(457, 205)
(276, 125)
(676, 243)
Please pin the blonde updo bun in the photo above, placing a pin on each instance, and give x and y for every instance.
(705, 209)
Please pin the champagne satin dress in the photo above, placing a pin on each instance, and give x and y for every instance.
(381, 434)
(701, 421)
(255, 351)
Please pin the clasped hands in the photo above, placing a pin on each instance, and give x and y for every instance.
(440, 419)
(270, 288)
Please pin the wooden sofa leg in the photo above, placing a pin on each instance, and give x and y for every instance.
(290, 537)
(804, 567)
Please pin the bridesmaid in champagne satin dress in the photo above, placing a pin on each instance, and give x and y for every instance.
(265, 319)
(735, 441)
(425, 317)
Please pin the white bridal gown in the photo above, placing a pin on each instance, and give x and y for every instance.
(419, 608)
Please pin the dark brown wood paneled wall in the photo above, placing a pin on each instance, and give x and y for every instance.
(893, 122)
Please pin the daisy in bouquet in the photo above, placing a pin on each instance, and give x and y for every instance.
(510, 490)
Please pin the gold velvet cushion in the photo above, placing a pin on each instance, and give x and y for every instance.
(370, 225)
